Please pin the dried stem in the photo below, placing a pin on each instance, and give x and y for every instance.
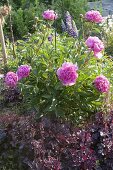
(3, 42)
(11, 29)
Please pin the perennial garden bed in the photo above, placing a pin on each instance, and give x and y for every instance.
(62, 85)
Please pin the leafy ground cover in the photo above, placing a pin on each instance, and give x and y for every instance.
(56, 145)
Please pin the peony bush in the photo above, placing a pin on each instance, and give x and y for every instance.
(70, 76)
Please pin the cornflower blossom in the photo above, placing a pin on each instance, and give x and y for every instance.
(11, 79)
(23, 71)
(102, 84)
(50, 15)
(93, 16)
(67, 73)
(50, 38)
(96, 45)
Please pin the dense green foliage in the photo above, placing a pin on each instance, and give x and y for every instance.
(42, 91)
(24, 12)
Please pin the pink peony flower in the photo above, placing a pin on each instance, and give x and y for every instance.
(96, 45)
(49, 15)
(98, 55)
(23, 71)
(93, 16)
(67, 74)
(102, 84)
(11, 79)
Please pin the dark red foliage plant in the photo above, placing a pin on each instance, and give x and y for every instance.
(46, 144)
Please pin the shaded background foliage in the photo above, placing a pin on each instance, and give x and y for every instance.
(24, 12)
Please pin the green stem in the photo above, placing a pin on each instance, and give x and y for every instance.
(86, 61)
(83, 34)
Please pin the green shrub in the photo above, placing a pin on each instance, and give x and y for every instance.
(19, 23)
(42, 91)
